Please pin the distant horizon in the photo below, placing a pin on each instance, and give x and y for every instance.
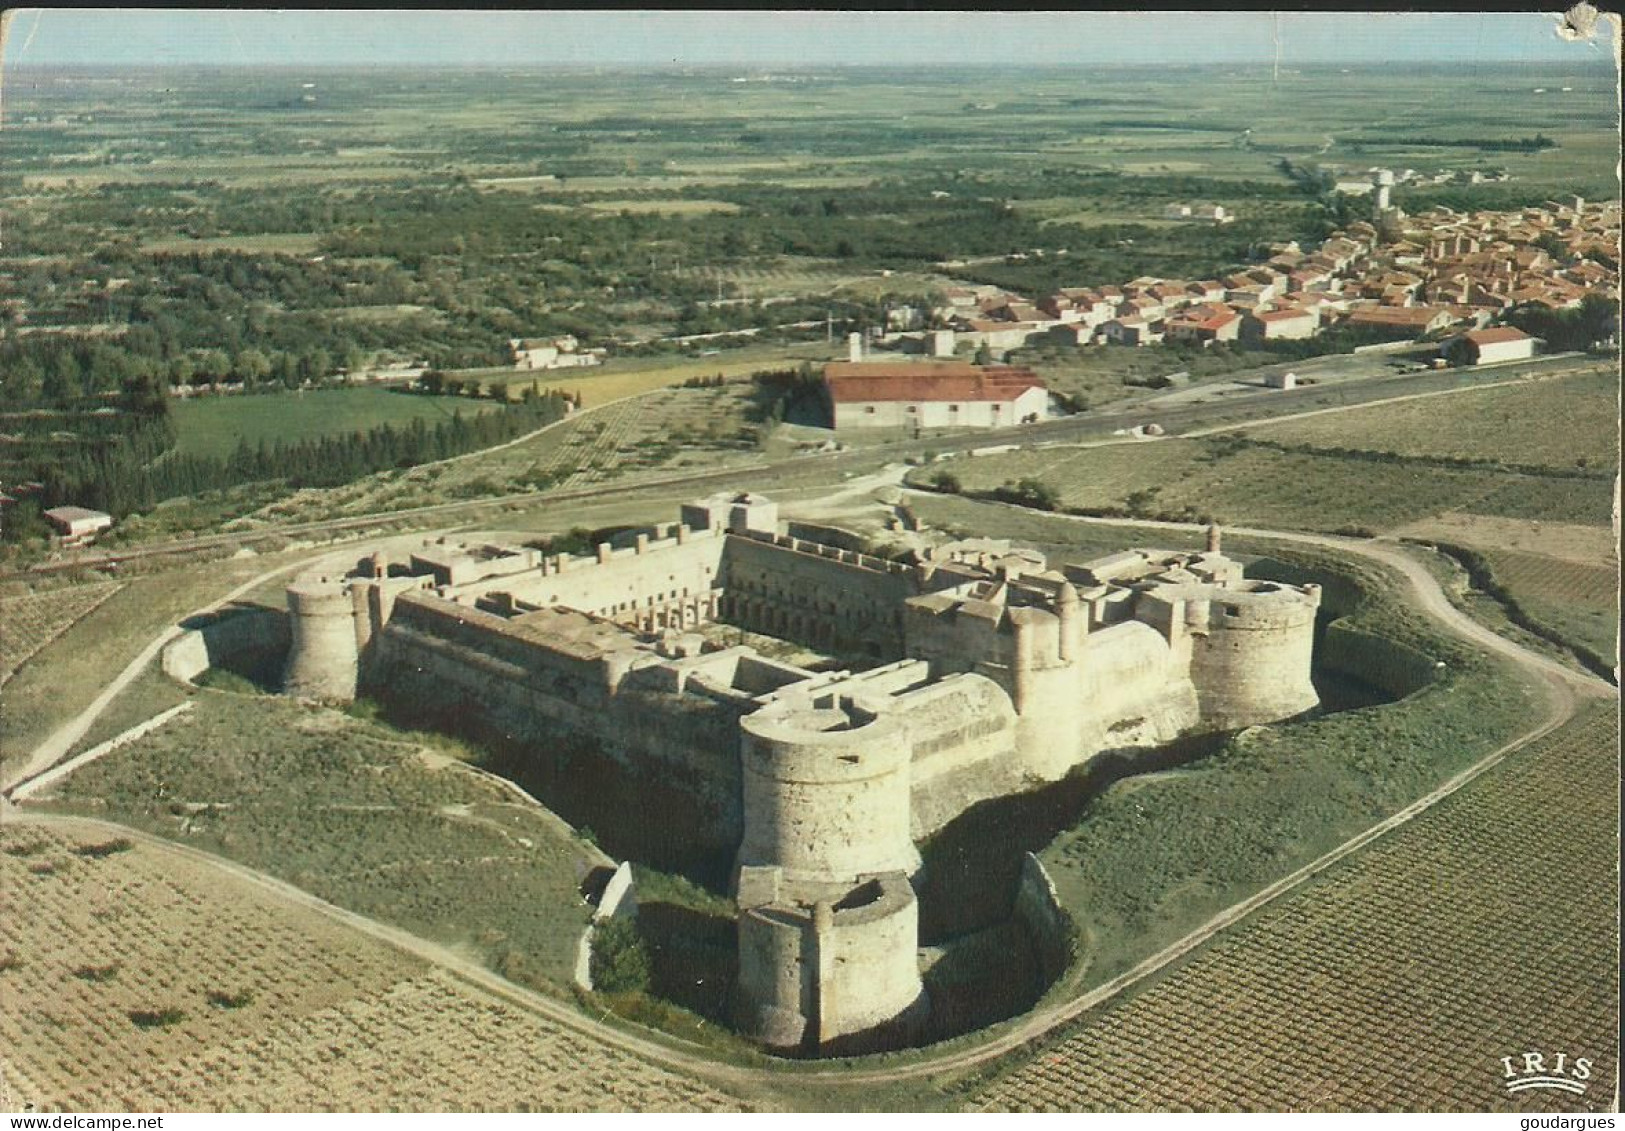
(806, 68)
(787, 39)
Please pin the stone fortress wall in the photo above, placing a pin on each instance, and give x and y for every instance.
(996, 673)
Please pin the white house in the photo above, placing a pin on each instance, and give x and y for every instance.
(1287, 322)
(551, 353)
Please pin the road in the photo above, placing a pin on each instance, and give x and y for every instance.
(1096, 425)
(1565, 690)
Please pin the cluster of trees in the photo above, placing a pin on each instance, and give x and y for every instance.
(1596, 319)
(1491, 144)
(798, 394)
(446, 272)
(129, 464)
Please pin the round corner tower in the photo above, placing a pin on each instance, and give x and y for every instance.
(828, 922)
(826, 792)
(323, 659)
(1253, 664)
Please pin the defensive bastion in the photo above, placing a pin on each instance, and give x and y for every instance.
(985, 672)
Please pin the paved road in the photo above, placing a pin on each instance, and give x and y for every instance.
(1564, 688)
(1095, 425)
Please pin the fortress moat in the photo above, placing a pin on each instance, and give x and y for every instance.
(986, 674)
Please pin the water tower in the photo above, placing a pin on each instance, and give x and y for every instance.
(1385, 188)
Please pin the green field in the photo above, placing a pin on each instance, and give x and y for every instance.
(214, 426)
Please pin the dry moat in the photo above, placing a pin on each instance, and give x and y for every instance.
(854, 812)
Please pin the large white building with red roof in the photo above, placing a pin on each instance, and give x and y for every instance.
(933, 395)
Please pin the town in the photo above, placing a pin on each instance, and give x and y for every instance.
(1402, 277)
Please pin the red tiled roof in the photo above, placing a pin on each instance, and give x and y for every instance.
(857, 381)
(1396, 315)
(1282, 315)
(1496, 335)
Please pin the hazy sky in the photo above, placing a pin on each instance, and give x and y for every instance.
(699, 38)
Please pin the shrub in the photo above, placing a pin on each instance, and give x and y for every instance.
(97, 973)
(157, 1018)
(1029, 492)
(620, 960)
(106, 848)
(221, 1000)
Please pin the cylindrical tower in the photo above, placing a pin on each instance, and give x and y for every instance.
(826, 792)
(1252, 666)
(322, 660)
(835, 973)
(1073, 620)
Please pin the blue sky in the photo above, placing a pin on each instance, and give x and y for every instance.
(701, 38)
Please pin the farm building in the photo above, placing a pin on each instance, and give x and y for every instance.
(551, 353)
(77, 526)
(1500, 343)
(940, 395)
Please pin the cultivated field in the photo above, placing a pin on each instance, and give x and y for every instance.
(1258, 484)
(1560, 423)
(141, 979)
(280, 243)
(31, 621)
(346, 811)
(624, 377)
(1485, 928)
(214, 426)
(1580, 602)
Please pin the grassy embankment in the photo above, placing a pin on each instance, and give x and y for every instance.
(358, 815)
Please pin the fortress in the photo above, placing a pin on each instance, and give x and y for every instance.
(977, 672)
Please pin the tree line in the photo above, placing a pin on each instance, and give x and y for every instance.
(132, 466)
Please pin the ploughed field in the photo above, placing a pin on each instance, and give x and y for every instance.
(1242, 482)
(1486, 927)
(30, 621)
(137, 978)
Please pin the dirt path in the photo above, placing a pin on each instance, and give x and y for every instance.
(1564, 688)
(54, 748)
